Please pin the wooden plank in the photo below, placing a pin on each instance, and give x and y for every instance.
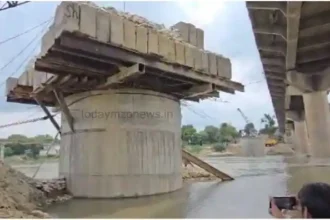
(60, 98)
(223, 176)
(116, 53)
(124, 74)
(199, 90)
(51, 118)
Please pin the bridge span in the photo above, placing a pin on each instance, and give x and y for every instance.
(294, 47)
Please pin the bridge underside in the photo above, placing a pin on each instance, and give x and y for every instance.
(294, 45)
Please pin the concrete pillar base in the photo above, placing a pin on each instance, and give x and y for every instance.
(301, 140)
(126, 143)
(318, 123)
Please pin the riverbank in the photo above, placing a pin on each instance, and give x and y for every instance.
(236, 150)
(24, 197)
(23, 160)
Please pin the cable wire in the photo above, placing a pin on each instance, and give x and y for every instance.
(25, 32)
(13, 6)
(26, 121)
(17, 55)
(22, 63)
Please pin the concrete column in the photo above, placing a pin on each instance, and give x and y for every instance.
(126, 143)
(301, 140)
(318, 123)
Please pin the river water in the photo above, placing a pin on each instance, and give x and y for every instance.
(256, 178)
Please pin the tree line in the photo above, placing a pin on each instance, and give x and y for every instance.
(219, 137)
(17, 144)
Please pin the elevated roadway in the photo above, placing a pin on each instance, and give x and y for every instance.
(294, 46)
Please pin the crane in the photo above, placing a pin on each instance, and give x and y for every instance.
(252, 131)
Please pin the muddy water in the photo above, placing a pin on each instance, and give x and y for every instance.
(245, 197)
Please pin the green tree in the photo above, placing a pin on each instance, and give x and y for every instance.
(212, 133)
(249, 129)
(18, 138)
(44, 139)
(269, 125)
(8, 152)
(219, 147)
(227, 133)
(187, 133)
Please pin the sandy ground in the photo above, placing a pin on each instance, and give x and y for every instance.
(194, 173)
(23, 197)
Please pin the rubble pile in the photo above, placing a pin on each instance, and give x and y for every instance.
(20, 197)
(194, 173)
(55, 190)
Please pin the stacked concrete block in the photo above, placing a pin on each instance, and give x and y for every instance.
(103, 26)
(183, 43)
(116, 29)
(179, 53)
(183, 29)
(152, 42)
(189, 55)
(212, 63)
(223, 67)
(190, 34)
(129, 34)
(166, 47)
(142, 39)
(88, 20)
(200, 38)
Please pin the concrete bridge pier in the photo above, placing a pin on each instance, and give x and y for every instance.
(299, 133)
(125, 143)
(318, 123)
(301, 139)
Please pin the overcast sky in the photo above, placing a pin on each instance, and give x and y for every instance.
(227, 31)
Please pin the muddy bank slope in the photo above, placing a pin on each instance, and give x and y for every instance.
(24, 197)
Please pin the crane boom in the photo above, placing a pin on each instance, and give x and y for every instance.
(252, 131)
(244, 117)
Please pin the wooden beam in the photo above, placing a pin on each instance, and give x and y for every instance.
(98, 49)
(199, 90)
(124, 74)
(189, 157)
(293, 18)
(60, 98)
(51, 118)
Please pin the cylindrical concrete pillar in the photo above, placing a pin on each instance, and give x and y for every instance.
(301, 140)
(318, 123)
(126, 143)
